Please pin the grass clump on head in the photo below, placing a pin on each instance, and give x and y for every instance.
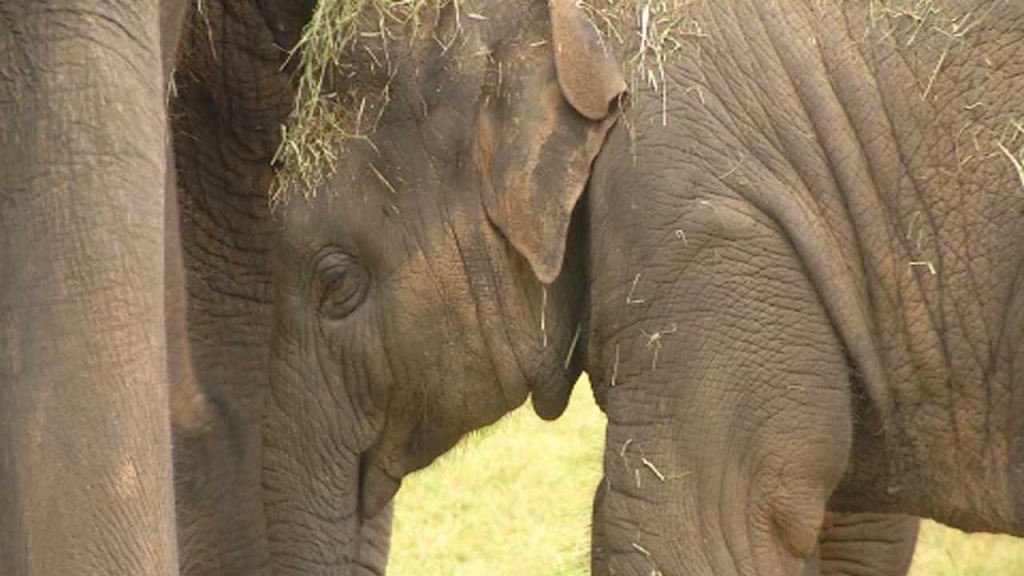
(323, 119)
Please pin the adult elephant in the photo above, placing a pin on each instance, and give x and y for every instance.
(85, 455)
(791, 272)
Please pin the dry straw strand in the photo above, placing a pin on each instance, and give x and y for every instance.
(647, 33)
(324, 119)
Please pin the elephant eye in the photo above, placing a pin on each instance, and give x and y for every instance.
(343, 285)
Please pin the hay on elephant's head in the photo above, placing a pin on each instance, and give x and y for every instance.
(324, 119)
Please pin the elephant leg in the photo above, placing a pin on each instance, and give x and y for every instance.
(849, 544)
(724, 449)
(864, 544)
(85, 444)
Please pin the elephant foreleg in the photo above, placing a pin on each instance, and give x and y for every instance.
(85, 444)
(723, 451)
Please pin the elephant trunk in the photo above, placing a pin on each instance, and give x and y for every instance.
(311, 479)
(374, 543)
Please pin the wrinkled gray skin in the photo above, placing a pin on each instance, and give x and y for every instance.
(864, 543)
(85, 443)
(817, 358)
(749, 273)
(232, 93)
(117, 285)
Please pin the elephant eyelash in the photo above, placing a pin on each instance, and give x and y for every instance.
(342, 284)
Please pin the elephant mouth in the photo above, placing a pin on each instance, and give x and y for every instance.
(377, 487)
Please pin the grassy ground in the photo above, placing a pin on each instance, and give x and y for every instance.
(515, 499)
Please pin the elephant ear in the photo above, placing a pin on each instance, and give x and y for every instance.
(545, 113)
(588, 74)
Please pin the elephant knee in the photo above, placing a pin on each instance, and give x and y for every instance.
(796, 525)
(792, 506)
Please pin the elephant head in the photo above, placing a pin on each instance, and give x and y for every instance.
(421, 291)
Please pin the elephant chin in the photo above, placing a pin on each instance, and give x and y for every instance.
(549, 407)
(551, 399)
(376, 488)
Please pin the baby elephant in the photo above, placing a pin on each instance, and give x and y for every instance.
(785, 239)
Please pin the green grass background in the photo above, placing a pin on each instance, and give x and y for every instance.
(515, 499)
